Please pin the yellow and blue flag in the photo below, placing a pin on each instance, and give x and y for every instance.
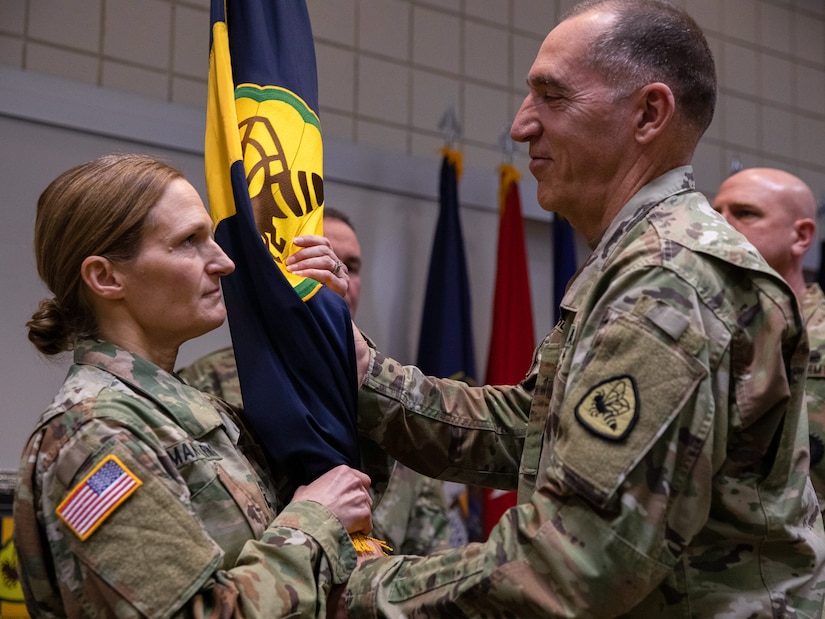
(264, 174)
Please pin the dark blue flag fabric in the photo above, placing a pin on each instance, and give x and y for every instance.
(564, 260)
(820, 276)
(445, 346)
(264, 174)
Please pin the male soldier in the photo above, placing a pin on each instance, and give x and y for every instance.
(412, 513)
(659, 443)
(776, 211)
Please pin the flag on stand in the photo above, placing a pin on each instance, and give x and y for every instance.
(564, 260)
(264, 174)
(445, 346)
(512, 338)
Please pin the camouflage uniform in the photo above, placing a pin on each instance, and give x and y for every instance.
(658, 442)
(813, 311)
(198, 537)
(410, 511)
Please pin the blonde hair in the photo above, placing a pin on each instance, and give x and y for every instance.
(98, 208)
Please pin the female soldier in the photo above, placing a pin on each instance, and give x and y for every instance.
(139, 496)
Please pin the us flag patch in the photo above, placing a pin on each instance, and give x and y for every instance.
(97, 496)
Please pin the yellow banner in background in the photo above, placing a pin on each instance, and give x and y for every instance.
(11, 594)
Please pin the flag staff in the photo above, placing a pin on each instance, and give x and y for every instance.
(449, 126)
(505, 145)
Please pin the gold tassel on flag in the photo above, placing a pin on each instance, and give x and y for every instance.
(363, 546)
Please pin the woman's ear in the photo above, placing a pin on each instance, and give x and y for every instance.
(101, 277)
(656, 106)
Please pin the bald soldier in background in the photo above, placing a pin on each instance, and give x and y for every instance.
(776, 211)
(411, 512)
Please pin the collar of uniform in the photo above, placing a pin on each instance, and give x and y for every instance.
(186, 405)
(678, 180)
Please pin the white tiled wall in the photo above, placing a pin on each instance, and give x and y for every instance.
(389, 69)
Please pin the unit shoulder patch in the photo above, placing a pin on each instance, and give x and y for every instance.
(97, 496)
(610, 408)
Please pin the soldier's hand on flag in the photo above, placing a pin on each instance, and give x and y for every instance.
(317, 261)
(345, 491)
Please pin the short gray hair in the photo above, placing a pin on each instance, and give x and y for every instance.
(655, 41)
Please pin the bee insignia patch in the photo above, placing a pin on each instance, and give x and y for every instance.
(610, 409)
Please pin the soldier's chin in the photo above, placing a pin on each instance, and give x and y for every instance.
(214, 322)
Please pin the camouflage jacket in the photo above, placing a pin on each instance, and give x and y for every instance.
(135, 499)
(411, 514)
(813, 311)
(410, 511)
(659, 442)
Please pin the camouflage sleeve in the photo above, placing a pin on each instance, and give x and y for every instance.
(411, 515)
(153, 555)
(288, 572)
(429, 526)
(445, 428)
(610, 520)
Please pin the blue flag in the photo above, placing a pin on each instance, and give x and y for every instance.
(564, 260)
(445, 346)
(264, 174)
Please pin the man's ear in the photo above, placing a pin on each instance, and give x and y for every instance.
(805, 235)
(101, 277)
(656, 106)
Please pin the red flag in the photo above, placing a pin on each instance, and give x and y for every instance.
(511, 336)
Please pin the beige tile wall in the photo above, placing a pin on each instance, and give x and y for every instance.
(388, 69)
